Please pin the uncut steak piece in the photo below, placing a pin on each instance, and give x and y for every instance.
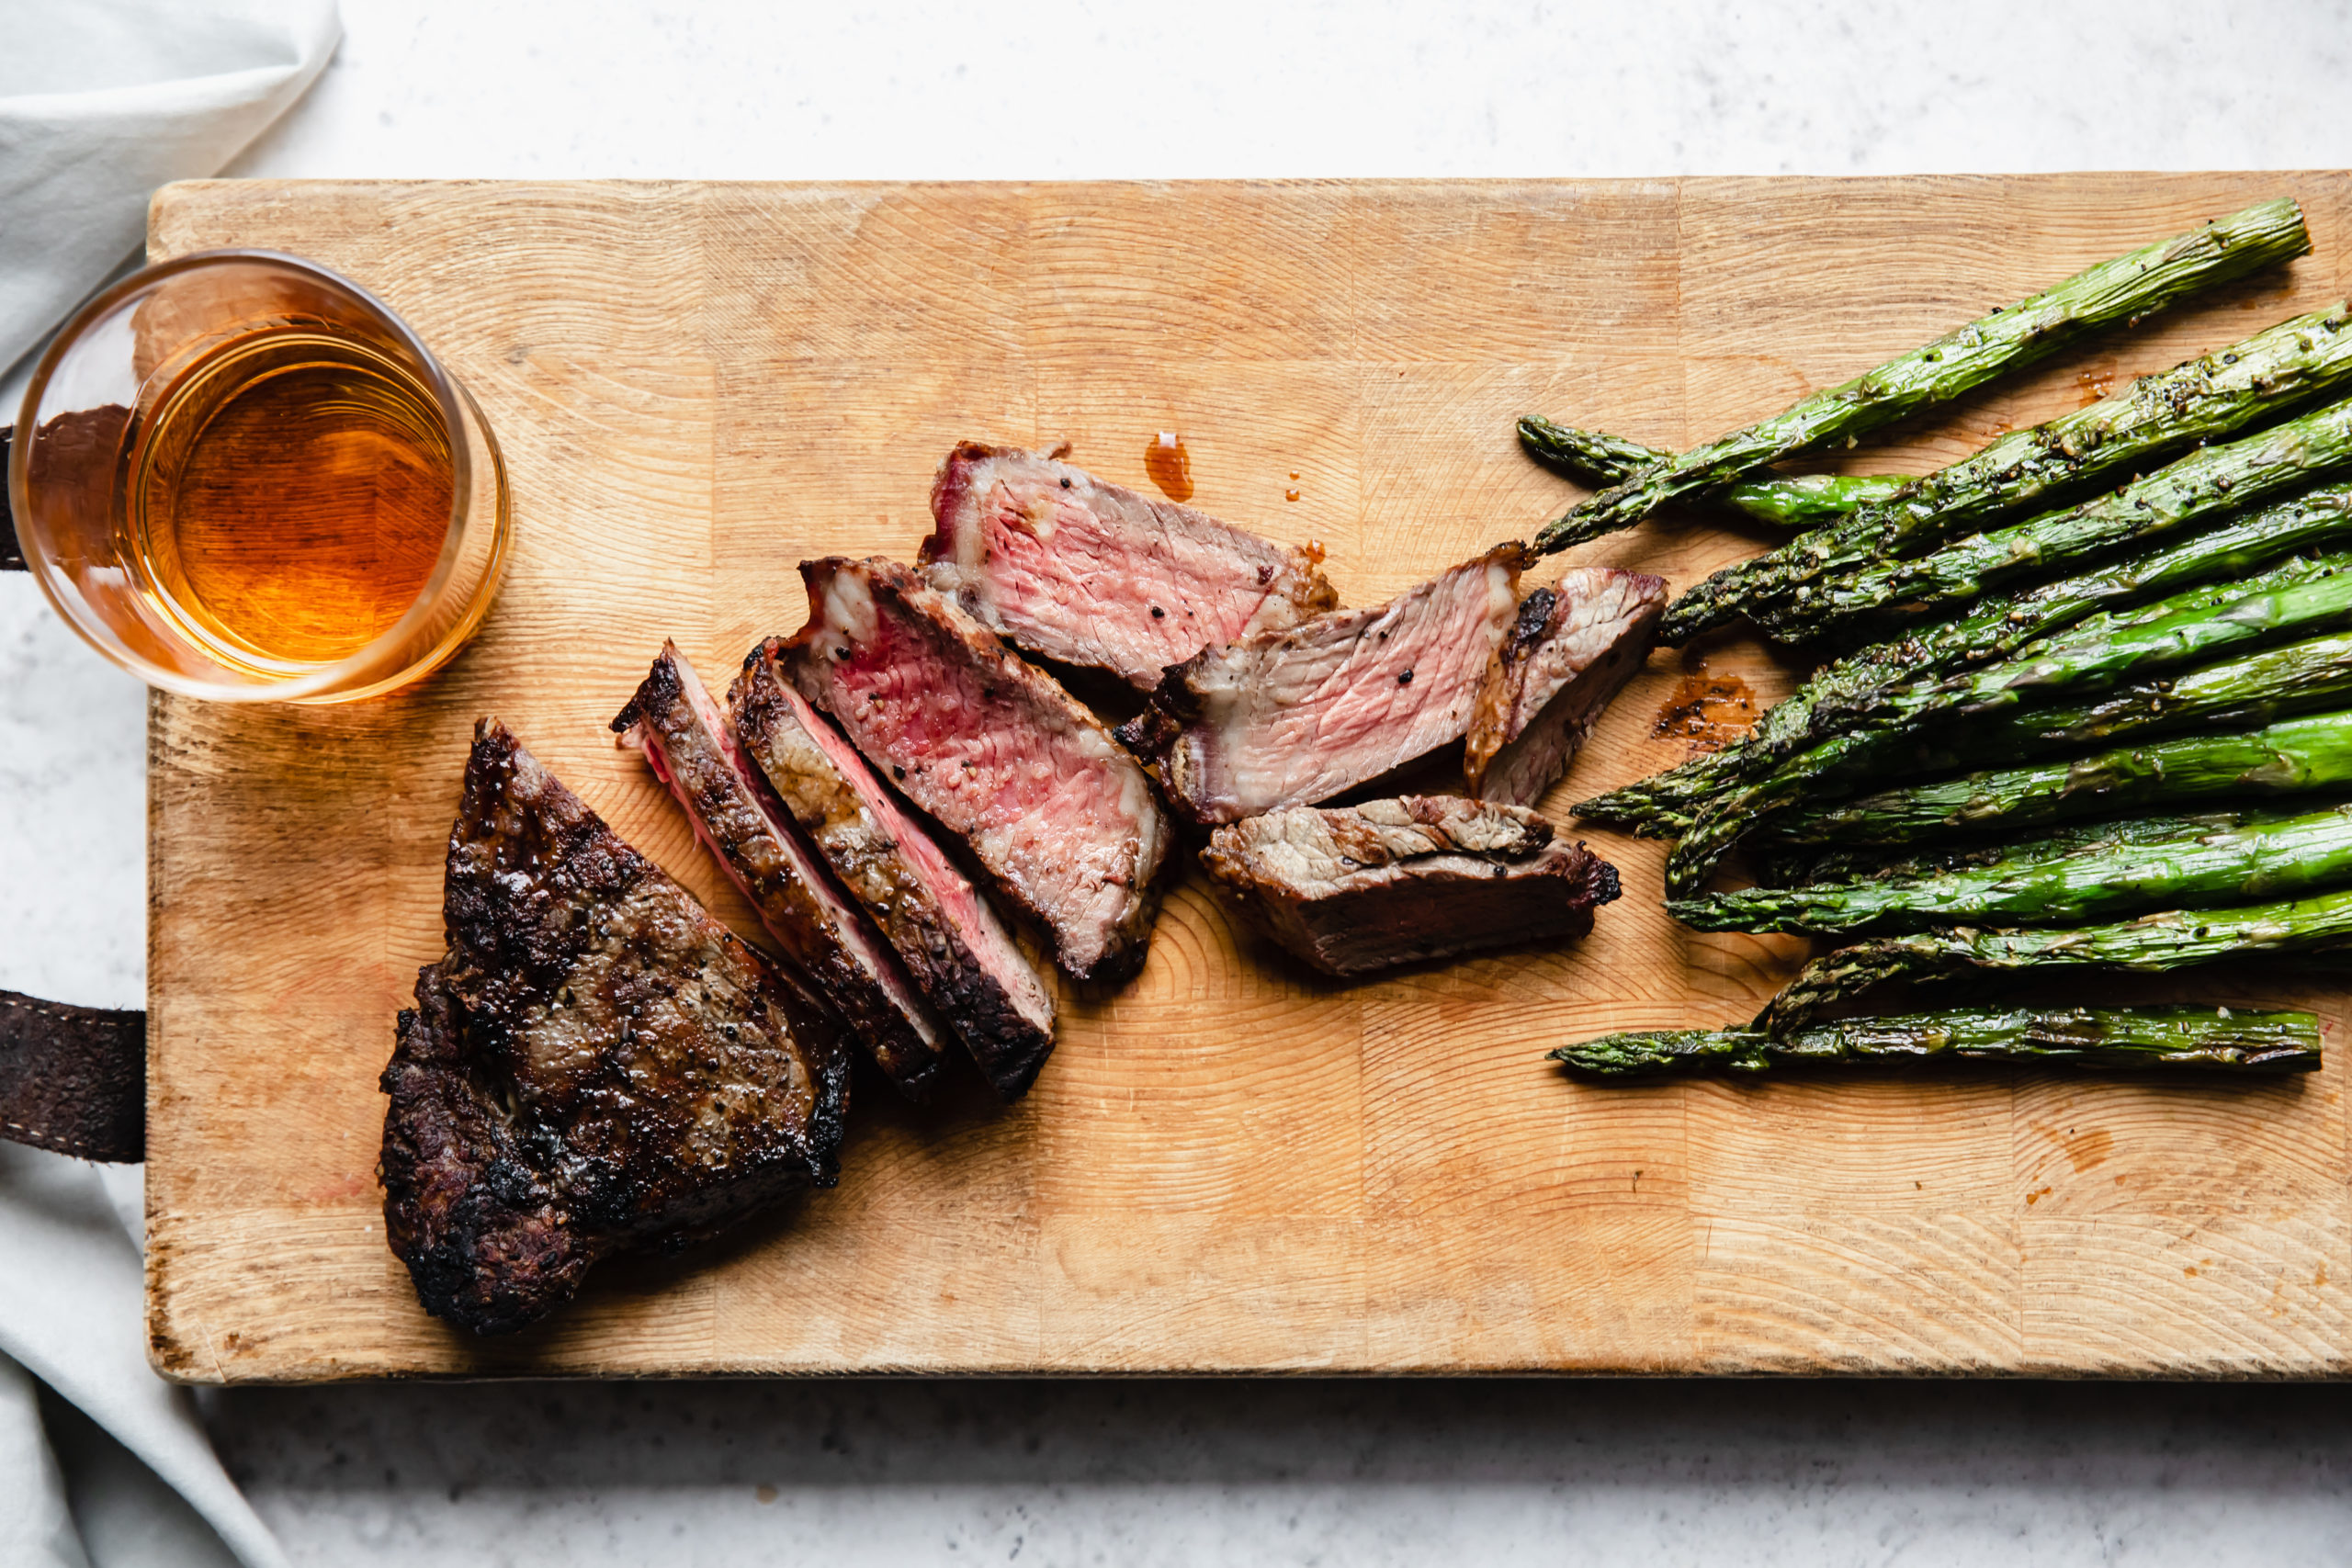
(1089, 573)
(1366, 887)
(994, 750)
(1572, 646)
(689, 744)
(1291, 718)
(595, 1064)
(948, 935)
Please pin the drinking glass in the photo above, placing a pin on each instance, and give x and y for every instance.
(242, 478)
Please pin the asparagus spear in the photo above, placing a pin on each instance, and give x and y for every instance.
(2299, 595)
(2206, 398)
(1665, 805)
(2173, 939)
(2188, 863)
(2296, 756)
(2240, 692)
(2205, 483)
(1785, 500)
(2157, 1037)
(2126, 288)
(2224, 553)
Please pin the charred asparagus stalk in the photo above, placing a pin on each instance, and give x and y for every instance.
(2299, 595)
(2128, 1038)
(2171, 939)
(2206, 399)
(2183, 863)
(2296, 756)
(1785, 500)
(2126, 288)
(1666, 804)
(2241, 693)
(2206, 483)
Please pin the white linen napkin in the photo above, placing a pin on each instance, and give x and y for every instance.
(100, 102)
(103, 100)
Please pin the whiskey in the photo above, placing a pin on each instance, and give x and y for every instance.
(287, 497)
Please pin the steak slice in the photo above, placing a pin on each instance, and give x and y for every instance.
(1089, 573)
(1392, 882)
(595, 1064)
(686, 739)
(994, 749)
(1573, 645)
(1291, 717)
(953, 945)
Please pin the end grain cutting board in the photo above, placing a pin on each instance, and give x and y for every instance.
(1226, 1165)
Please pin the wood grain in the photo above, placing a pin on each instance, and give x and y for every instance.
(1228, 1165)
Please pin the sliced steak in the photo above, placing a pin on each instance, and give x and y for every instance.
(1573, 645)
(595, 1064)
(950, 938)
(1291, 717)
(1089, 573)
(992, 748)
(686, 739)
(1391, 882)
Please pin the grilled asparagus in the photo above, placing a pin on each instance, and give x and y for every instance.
(2241, 692)
(2128, 1038)
(1664, 804)
(1785, 500)
(2126, 288)
(2206, 483)
(2181, 862)
(2295, 756)
(2172, 939)
(2206, 399)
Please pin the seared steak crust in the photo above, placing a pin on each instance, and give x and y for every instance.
(994, 750)
(1291, 717)
(1392, 882)
(1075, 570)
(1573, 645)
(953, 944)
(685, 739)
(596, 1065)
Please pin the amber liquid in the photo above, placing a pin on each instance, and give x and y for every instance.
(289, 496)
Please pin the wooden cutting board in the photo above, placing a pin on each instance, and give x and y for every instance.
(1227, 1165)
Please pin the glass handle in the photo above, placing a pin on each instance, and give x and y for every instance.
(11, 556)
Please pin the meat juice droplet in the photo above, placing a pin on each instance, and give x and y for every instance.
(1169, 466)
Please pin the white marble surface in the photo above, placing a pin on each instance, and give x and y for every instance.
(1275, 1473)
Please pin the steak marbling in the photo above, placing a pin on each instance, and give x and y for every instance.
(1089, 573)
(689, 744)
(949, 937)
(1572, 646)
(1367, 887)
(994, 749)
(1291, 717)
(594, 1066)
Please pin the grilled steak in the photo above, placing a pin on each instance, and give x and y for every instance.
(594, 1066)
(1291, 717)
(1571, 649)
(957, 951)
(686, 741)
(1391, 882)
(1075, 570)
(994, 749)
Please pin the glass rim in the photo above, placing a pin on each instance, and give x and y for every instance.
(353, 667)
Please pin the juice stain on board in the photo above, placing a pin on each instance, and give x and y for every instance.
(1708, 710)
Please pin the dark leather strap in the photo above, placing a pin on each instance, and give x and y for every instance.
(11, 557)
(73, 1079)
